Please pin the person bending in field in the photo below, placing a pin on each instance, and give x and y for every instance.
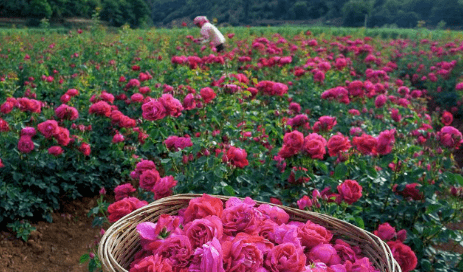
(209, 33)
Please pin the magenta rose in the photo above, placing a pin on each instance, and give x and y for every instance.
(203, 206)
(62, 136)
(120, 208)
(294, 140)
(148, 179)
(176, 248)
(141, 167)
(350, 191)
(153, 110)
(27, 131)
(152, 263)
(66, 112)
(325, 253)
(385, 232)
(241, 218)
(25, 144)
(166, 226)
(345, 251)
(312, 234)
(163, 188)
(236, 157)
(101, 108)
(124, 190)
(385, 142)
(55, 150)
(315, 146)
(201, 231)
(172, 105)
(209, 257)
(276, 214)
(366, 144)
(48, 128)
(404, 255)
(450, 137)
(337, 144)
(380, 100)
(285, 257)
(243, 253)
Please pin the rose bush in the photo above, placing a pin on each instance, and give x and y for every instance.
(284, 117)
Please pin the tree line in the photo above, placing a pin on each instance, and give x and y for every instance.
(139, 13)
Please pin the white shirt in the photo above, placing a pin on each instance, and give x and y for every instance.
(211, 33)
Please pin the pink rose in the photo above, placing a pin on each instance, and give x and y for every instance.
(337, 144)
(315, 146)
(48, 128)
(55, 150)
(304, 203)
(120, 208)
(312, 234)
(148, 179)
(236, 157)
(245, 252)
(62, 136)
(207, 94)
(350, 191)
(404, 255)
(366, 144)
(276, 214)
(447, 118)
(152, 263)
(203, 206)
(123, 191)
(285, 257)
(380, 101)
(166, 226)
(163, 188)
(201, 231)
(325, 253)
(101, 108)
(153, 110)
(27, 131)
(385, 232)
(241, 218)
(172, 105)
(176, 248)
(450, 137)
(141, 167)
(208, 257)
(25, 144)
(386, 141)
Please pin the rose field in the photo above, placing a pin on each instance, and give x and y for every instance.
(360, 125)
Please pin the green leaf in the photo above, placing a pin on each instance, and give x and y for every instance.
(340, 171)
(459, 179)
(84, 258)
(359, 222)
(228, 190)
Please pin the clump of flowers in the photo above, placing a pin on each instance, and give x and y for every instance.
(239, 235)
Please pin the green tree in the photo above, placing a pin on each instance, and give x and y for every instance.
(355, 11)
(40, 9)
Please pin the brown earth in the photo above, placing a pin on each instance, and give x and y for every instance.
(53, 246)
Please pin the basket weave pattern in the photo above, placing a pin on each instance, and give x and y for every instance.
(120, 242)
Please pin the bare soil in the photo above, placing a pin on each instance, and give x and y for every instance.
(53, 246)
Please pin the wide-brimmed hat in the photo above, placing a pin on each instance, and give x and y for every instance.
(200, 19)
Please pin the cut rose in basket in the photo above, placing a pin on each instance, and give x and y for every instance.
(240, 235)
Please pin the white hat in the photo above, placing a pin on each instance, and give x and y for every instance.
(200, 19)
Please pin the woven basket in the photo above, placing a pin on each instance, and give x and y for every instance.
(120, 242)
